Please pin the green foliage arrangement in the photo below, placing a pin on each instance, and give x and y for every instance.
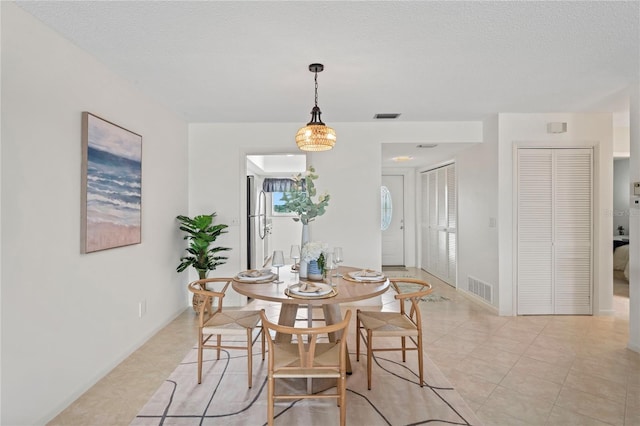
(300, 200)
(201, 233)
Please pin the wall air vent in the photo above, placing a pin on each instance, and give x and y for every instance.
(480, 289)
(387, 116)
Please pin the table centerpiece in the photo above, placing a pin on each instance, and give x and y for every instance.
(300, 201)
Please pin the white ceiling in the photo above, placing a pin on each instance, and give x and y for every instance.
(247, 61)
(419, 156)
(283, 165)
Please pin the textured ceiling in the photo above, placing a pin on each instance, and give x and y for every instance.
(243, 61)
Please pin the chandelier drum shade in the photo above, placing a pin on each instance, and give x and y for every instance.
(316, 136)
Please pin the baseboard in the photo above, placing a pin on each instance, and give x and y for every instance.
(472, 297)
(92, 381)
(606, 313)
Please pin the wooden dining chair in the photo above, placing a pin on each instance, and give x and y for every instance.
(370, 324)
(230, 324)
(305, 357)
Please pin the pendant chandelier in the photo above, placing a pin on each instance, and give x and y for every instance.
(316, 136)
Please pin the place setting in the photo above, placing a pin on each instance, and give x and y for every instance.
(365, 276)
(310, 290)
(256, 276)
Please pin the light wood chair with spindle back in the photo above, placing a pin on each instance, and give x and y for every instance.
(305, 357)
(214, 321)
(370, 324)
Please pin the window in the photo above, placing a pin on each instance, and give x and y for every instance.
(277, 205)
(386, 208)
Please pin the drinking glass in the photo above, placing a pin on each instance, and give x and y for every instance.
(337, 258)
(278, 261)
(295, 255)
(329, 265)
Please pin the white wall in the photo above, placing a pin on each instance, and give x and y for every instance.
(583, 130)
(0, 222)
(351, 173)
(621, 136)
(67, 318)
(285, 233)
(477, 174)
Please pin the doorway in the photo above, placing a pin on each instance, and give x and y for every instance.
(621, 214)
(268, 229)
(392, 220)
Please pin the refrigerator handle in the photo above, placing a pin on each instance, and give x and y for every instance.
(262, 216)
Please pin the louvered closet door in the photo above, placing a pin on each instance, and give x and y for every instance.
(572, 231)
(442, 267)
(452, 214)
(554, 231)
(439, 223)
(535, 232)
(424, 221)
(432, 259)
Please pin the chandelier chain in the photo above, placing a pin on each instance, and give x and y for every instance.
(316, 79)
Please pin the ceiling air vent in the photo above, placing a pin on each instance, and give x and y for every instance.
(387, 116)
(427, 145)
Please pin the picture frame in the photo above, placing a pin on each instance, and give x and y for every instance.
(111, 195)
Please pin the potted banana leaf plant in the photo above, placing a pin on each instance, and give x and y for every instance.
(202, 255)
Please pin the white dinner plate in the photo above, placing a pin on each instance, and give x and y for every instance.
(253, 275)
(366, 275)
(323, 289)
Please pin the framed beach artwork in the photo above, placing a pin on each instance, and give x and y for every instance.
(111, 185)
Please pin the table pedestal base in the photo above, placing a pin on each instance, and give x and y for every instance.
(332, 315)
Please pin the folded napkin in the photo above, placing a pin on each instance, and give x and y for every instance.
(254, 273)
(368, 273)
(309, 288)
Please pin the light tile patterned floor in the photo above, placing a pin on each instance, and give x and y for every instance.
(535, 370)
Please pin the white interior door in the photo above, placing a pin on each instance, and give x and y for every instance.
(393, 235)
(439, 222)
(555, 222)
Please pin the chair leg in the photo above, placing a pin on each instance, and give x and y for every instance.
(358, 335)
(263, 339)
(270, 401)
(249, 356)
(343, 400)
(404, 349)
(200, 358)
(369, 357)
(420, 362)
(219, 340)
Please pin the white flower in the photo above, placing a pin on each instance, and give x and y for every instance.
(312, 250)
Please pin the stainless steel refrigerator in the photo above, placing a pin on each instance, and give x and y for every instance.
(257, 224)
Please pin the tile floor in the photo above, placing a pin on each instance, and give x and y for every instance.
(535, 370)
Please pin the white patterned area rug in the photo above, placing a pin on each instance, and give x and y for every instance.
(223, 398)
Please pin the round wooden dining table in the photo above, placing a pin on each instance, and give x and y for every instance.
(347, 291)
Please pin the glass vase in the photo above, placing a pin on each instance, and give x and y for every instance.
(314, 272)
